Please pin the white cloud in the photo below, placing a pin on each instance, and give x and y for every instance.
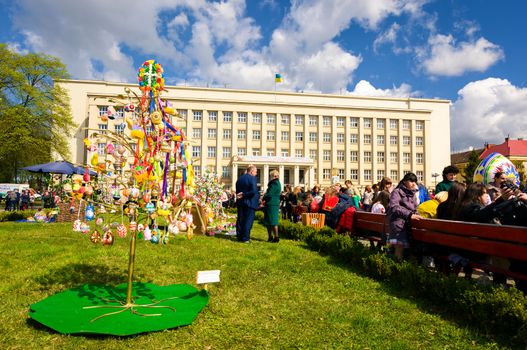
(365, 88)
(487, 111)
(446, 58)
(386, 37)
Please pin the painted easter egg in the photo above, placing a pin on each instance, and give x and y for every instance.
(493, 163)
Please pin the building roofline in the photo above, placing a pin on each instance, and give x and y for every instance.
(264, 92)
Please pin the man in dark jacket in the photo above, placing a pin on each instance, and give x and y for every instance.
(248, 200)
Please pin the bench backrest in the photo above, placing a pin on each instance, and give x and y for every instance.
(371, 222)
(504, 241)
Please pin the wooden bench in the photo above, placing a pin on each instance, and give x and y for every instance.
(508, 242)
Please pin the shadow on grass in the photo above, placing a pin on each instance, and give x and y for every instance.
(73, 275)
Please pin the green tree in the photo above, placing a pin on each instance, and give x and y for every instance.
(35, 115)
(473, 162)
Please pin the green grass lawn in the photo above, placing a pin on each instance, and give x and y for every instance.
(271, 296)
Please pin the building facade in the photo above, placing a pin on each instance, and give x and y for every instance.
(310, 138)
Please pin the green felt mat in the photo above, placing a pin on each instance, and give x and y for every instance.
(65, 312)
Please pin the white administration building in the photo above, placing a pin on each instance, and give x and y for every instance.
(309, 138)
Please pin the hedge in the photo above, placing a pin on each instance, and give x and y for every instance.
(16, 215)
(490, 309)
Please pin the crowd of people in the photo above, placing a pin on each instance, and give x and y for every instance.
(25, 199)
(500, 202)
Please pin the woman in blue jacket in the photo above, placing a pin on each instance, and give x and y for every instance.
(271, 200)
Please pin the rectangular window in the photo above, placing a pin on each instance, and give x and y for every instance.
(242, 134)
(313, 120)
(312, 137)
(367, 157)
(256, 135)
(227, 117)
(326, 155)
(285, 119)
(182, 113)
(340, 138)
(102, 128)
(256, 152)
(299, 119)
(393, 157)
(211, 151)
(226, 152)
(242, 151)
(354, 122)
(271, 135)
(119, 128)
(270, 152)
(326, 120)
(197, 116)
(367, 123)
(419, 141)
(420, 175)
(284, 136)
(406, 124)
(406, 158)
(326, 137)
(340, 156)
(242, 117)
(211, 134)
(299, 153)
(271, 119)
(257, 118)
(354, 174)
(380, 157)
(394, 175)
(354, 156)
(419, 125)
(326, 174)
(367, 174)
(406, 140)
(196, 133)
(393, 139)
(380, 123)
(101, 148)
(226, 172)
(213, 116)
(284, 152)
(380, 140)
(119, 112)
(367, 139)
(394, 123)
(313, 154)
(299, 136)
(340, 121)
(227, 134)
(354, 138)
(419, 158)
(196, 151)
(380, 175)
(103, 110)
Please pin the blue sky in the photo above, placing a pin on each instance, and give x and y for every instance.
(470, 52)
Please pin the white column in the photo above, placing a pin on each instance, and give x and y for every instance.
(265, 177)
(295, 176)
(281, 171)
(234, 175)
(311, 177)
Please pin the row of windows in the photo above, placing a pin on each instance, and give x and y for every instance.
(286, 119)
(368, 174)
(299, 136)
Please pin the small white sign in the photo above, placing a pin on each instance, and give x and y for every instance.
(211, 276)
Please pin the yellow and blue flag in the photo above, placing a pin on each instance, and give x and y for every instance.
(277, 78)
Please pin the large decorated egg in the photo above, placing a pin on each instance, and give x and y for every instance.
(95, 237)
(121, 231)
(107, 238)
(493, 163)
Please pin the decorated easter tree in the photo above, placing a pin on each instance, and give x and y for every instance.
(152, 178)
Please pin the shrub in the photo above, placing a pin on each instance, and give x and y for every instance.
(16, 215)
(488, 308)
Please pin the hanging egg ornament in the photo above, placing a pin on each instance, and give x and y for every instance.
(165, 239)
(154, 239)
(107, 238)
(85, 228)
(147, 233)
(90, 212)
(121, 231)
(95, 160)
(173, 228)
(99, 221)
(110, 148)
(86, 176)
(134, 193)
(95, 237)
(132, 227)
(150, 207)
(140, 227)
